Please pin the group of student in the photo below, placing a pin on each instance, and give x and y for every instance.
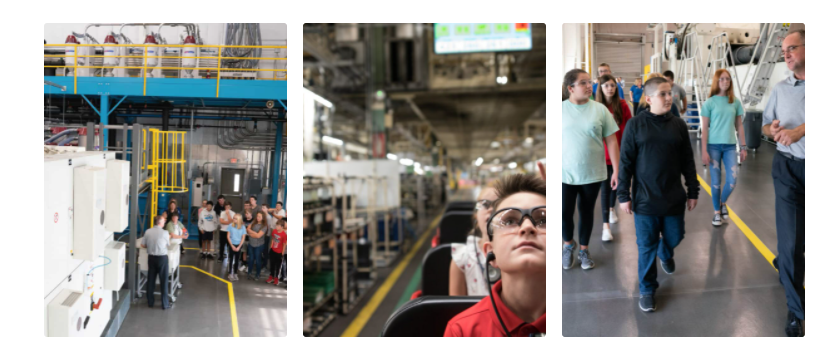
(652, 151)
(253, 239)
(508, 238)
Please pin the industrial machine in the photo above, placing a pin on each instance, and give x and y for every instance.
(85, 201)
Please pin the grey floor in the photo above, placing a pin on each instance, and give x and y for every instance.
(202, 308)
(722, 286)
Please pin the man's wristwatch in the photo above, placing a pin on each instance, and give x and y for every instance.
(743, 147)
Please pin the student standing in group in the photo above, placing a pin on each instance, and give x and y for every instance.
(278, 211)
(635, 92)
(679, 96)
(247, 219)
(604, 69)
(656, 153)
(219, 207)
(285, 263)
(256, 243)
(721, 118)
(278, 240)
(784, 122)
(586, 125)
(225, 219)
(177, 230)
(208, 223)
(236, 237)
(467, 266)
(270, 220)
(620, 111)
(199, 212)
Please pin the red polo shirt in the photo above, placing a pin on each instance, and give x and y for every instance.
(481, 321)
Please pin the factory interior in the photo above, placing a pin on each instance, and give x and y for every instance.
(406, 126)
(145, 118)
(725, 280)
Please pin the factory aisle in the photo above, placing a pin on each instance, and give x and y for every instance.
(723, 285)
(202, 307)
(408, 282)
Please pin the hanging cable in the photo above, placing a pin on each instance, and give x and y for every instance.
(242, 34)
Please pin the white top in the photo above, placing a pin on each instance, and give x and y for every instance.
(208, 220)
(226, 216)
(471, 260)
(177, 231)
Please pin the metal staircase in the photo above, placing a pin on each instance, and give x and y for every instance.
(691, 78)
(774, 33)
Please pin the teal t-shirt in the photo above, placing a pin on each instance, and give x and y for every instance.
(722, 119)
(584, 128)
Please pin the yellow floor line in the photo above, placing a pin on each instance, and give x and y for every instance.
(764, 250)
(234, 325)
(369, 309)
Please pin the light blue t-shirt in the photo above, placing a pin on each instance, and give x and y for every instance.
(236, 234)
(722, 116)
(584, 129)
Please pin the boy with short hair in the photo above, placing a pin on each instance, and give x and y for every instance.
(278, 245)
(656, 153)
(516, 246)
(207, 225)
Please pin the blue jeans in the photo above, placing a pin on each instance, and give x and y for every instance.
(727, 154)
(649, 230)
(255, 256)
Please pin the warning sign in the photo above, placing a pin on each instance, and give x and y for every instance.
(56, 218)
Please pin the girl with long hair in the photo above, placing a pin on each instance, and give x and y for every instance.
(610, 98)
(721, 119)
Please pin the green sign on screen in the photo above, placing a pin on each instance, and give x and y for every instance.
(483, 28)
(443, 31)
(462, 30)
(502, 27)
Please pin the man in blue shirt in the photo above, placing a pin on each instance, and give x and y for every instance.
(605, 69)
(635, 92)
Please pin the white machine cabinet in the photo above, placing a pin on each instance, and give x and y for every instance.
(67, 313)
(89, 208)
(118, 195)
(114, 273)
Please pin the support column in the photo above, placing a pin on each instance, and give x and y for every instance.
(278, 157)
(135, 181)
(104, 113)
(166, 118)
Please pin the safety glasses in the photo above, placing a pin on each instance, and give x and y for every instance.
(507, 221)
(484, 204)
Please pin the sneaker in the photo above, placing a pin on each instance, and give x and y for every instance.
(776, 263)
(211, 255)
(230, 277)
(236, 277)
(276, 282)
(242, 269)
(724, 211)
(647, 303)
(794, 328)
(568, 256)
(585, 258)
(668, 266)
(607, 235)
(612, 217)
(204, 256)
(270, 279)
(717, 220)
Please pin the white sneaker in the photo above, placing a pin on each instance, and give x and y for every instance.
(612, 217)
(242, 269)
(607, 235)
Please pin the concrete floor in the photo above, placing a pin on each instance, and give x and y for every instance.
(722, 285)
(202, 307)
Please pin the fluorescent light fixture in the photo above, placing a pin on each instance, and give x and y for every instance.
(501, 80)
(417, 165)
(512, 165)
(479, 161)
(406, 162)
(495, 161)
(529, 141)
(332, 141)
(496, 168)
(418, 170)
(392, 157)
(318, 99)
(356, 148)
(495, 145)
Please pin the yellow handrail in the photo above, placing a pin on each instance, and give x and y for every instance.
(144, 57)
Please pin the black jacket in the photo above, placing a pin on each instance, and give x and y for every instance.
(655, 153)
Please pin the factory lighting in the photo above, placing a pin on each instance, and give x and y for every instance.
(501, 80)
(332, 141)
(392, 157)
(318, 99)
(512, 165)
(428, 168)
(479, 161)
(529, 141)
(495, 145)
(417, 165)
(496, 161)
(418, 170)
(406, 162)
(496, 168)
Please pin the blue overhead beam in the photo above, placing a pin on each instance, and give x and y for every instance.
(170, 87)
(278, 154)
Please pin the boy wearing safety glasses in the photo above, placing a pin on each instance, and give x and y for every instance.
(516, 246)
(656, 152)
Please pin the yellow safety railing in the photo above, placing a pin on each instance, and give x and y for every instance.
(219, 69)
(166, 164)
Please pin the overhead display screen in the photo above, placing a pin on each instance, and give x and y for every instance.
(453, 38)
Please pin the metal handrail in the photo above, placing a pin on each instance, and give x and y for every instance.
(144, 58)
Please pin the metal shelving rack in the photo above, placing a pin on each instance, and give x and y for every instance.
(322, 313)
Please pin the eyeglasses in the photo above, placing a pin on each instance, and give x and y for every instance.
(583, 83)
(507, 221)
(790, 49)
(484, 204)
(663, 94)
